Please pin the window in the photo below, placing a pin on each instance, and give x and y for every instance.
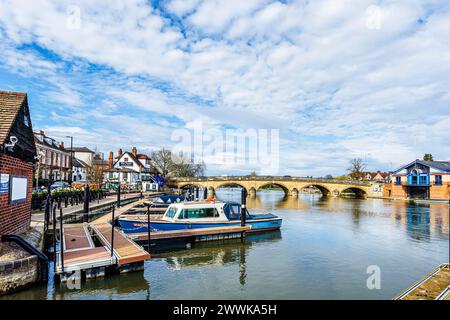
(125, 159)
(26, 120)
(171, 212)
(398, 180)
(438, 180)
(199, 213)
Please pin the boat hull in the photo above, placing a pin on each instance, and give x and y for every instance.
(258, 225)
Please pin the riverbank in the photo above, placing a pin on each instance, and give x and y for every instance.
(18, 268)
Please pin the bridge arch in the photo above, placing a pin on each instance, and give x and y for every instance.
(277, 184)
(324, 190)
(230, 184)
(358, 192)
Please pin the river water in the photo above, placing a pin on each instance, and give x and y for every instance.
(323, 251)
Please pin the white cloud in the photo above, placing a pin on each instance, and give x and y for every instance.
(314, 69)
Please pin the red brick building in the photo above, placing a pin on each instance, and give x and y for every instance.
(17, 158)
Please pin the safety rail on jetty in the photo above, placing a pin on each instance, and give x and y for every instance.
(434, 286)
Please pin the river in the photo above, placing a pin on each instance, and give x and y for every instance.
(323, 251)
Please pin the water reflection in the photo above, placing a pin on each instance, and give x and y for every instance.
(321, 252)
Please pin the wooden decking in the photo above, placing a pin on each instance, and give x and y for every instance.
(80, 252)
(125, 250)
(434, 285)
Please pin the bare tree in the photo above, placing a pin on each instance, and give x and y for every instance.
(162, 161)
(185, 167)
(356, 169)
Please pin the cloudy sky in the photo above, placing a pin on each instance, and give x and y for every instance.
(338, 79)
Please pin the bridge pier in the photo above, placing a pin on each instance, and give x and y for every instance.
(211, 192)
(294, 192)
(252, 192)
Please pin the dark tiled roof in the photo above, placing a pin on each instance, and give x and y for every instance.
(52, 144)
(439, 165)
(80, 149)
(10, 103)
(78, 163)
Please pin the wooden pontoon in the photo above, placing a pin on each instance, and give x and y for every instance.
(434, 286)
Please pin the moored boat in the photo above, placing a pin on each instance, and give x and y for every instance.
(201, 214)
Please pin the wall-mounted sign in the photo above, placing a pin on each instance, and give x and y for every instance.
(126, 164)
(18, 189)
(4, 183)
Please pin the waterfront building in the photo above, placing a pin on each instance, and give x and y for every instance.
(421, 180)
(84, 154)
(131, 169)
(17, 158)
(80, 170)
(53, 157)
(376, 176)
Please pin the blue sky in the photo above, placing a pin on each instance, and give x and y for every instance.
(339, 79)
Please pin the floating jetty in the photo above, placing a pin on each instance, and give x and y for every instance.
(96, 247)
(434, 286)
(78, 251)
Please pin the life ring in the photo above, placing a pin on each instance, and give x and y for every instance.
(211, 200)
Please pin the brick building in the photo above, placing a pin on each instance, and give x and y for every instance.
(420, 180)
(54, 159)
(17, 158)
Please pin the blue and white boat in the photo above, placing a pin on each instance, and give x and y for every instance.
(200, 214)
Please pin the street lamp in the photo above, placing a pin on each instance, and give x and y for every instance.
(71, 159)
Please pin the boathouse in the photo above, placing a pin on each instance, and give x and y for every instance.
(421, 180)
(17, 158)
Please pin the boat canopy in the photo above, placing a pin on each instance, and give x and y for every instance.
(170, 199)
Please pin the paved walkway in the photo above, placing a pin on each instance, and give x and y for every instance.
(38, 217)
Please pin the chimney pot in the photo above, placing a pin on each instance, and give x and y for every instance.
(119, 153)
(134, 152)
(41, 132)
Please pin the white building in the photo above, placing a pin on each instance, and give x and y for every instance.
(80, 170)
(132, 170)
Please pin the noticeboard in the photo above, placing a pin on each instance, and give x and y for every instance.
(4, 183)
(18, 189)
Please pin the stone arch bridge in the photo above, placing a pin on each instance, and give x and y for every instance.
(291, 186)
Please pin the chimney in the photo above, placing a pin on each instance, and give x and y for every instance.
(41, 132)
(119, 153)
(111, 159)
(134, 152)
(61, 144)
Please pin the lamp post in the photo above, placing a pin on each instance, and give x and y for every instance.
(71, 159)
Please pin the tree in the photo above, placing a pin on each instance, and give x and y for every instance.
(184, 167)
(162, 161)
(357, 166)
(428, 157)
(168, 165)
(328, 177)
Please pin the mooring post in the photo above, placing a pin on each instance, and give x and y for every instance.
(54, 237)
(61, 232)
(243, 206)
(148, 227)
(86, 201)
(118, 196)
(47, 214)
(205, 193)
(197, 189)
(112, 232)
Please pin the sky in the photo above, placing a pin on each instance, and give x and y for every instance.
(337, 79)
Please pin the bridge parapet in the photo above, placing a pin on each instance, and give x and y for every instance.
(269, 179)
